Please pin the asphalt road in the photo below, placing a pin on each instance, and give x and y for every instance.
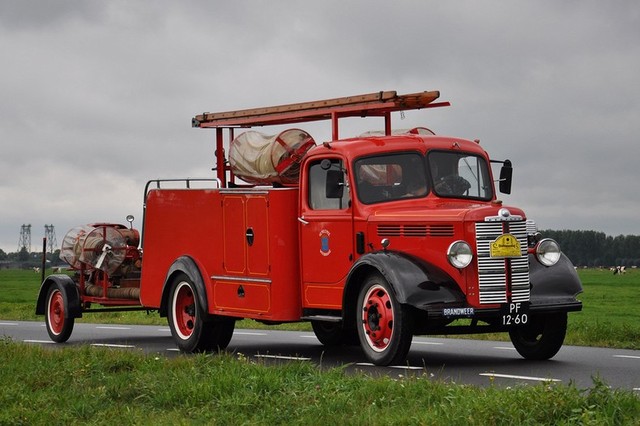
(476, 362)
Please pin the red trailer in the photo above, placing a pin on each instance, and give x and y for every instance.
(373, 239)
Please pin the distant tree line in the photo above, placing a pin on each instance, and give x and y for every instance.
(596, 249)
(24, 259)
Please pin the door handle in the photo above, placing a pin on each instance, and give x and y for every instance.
(302, 221)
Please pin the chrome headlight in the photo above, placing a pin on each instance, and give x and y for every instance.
(548, 252)
(459, 254)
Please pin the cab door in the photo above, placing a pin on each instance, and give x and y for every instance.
(326, 233)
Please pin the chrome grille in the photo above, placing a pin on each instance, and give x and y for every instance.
(497, 274)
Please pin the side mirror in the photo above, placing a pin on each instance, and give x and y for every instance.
(335, 184)
(506, 173)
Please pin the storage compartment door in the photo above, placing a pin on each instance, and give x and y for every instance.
(233, 238)
(257, 236)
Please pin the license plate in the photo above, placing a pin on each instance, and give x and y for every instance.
(515, 314)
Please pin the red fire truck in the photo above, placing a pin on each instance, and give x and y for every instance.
(373, 239)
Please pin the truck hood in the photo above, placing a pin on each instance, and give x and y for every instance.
(443, 211)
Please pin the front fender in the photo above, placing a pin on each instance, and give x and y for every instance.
(553, 285)
(414, 282)
(69, 290)
(189, 267)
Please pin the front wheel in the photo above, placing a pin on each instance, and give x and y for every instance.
(59, 323)
(191, 327)
(384, 325)
(541, 338)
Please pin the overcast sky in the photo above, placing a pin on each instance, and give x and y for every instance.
(96, 97)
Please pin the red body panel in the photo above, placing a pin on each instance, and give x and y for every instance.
(245, 243)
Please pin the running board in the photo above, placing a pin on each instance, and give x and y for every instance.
(326, 318)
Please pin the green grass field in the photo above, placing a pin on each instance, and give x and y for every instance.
(610, 316)
(84, 385)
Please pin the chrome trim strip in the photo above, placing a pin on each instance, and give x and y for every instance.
(243, 279)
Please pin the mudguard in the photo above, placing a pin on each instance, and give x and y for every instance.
(188, 266)
(71, 295)
(555, 285)
(414, 282)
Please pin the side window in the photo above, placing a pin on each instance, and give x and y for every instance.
(323, 196)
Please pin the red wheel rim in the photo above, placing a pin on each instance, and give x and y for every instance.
(377, 318)
(56, 312)
(184, 316)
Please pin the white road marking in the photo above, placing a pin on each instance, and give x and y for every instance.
(627, 356)
(112, 345)
(428, 343)
(38, 341)
(406, 367)
(295, 358)
(510, 376)
(306, 336)
(109, 327)
(504, 348)
(249, 333)
(165, 329)
(8, 323)
(403, 367)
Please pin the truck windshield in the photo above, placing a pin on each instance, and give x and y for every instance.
(400, 176)
(460, 175)
(391, 177)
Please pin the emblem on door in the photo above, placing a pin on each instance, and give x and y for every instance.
(324, 242)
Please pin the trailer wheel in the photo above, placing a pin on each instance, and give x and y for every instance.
(541, 338)
(384, 327)
(59, 323)
(192, 329)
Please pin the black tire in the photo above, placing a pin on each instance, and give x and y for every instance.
(541, 338)
(218, 333)
(384, 327)
(191, 327)
(59, 323)
(328, 333)
(334, 333)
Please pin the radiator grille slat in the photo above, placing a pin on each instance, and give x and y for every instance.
(415, 230)
(497, 275)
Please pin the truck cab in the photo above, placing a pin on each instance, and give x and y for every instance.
(416, 218)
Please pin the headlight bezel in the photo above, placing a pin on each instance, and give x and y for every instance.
(548, 252)
(460, 254)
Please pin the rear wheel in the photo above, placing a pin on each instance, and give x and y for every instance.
(541, 338)
(192, 328)
(384, 325)
(334, 333)
(328, 333)
(59, 323)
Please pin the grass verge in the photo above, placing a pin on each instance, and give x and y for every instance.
(101, 386)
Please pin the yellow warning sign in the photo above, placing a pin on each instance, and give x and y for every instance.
(505, 245)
